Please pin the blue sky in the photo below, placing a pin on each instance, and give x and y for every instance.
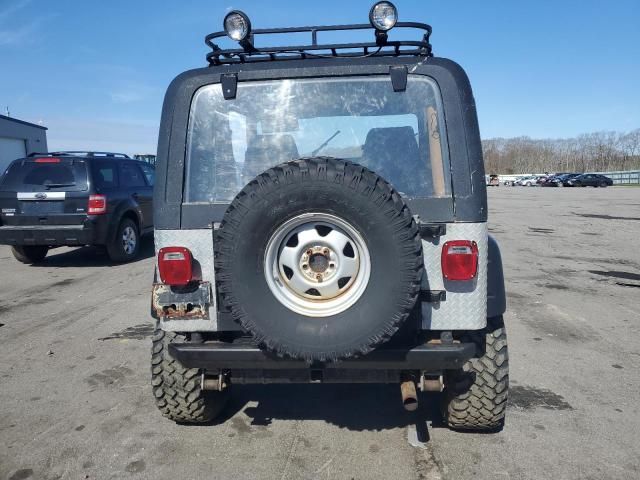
(95, 72)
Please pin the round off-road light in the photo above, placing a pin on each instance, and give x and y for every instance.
(383, 16)
(237, 25)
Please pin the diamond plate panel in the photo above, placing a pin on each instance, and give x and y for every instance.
(466, 305)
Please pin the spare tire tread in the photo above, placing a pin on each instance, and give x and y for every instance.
(363, 182)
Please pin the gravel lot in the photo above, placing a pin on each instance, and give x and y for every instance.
(75, 398)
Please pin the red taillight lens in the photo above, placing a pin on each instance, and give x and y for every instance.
(97, 205)
(175, 265)
(460, 260)
(47, 160)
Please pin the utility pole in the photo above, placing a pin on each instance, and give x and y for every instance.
(7, 110)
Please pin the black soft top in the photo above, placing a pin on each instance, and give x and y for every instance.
(228, 67)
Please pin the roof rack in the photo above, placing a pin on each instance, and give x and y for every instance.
(81, 153)
(384, 48)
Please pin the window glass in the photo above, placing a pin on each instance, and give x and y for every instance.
(399, 135)
(31, 176)
(130, 175)
(149, 173)
(105, 175)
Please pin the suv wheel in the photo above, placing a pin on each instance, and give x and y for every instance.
(475, 397)
(319, 259)
(29, 253)
(126, 244)
(177, 390)
(603, 184)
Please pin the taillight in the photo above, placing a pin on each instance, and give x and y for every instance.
(459, 260)
(97, 205)
(47, 160)
(175, 265)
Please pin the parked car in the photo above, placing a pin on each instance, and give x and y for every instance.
(76, 198)
(560, 180)
(527, 181)
(492, 180)
(590, 180)
(314, 267)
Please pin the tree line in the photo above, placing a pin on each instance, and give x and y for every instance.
(593, 152)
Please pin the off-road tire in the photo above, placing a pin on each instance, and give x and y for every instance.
(29, 254)
(115, 248)
(328, 186)
(177, 390)
(475, 398)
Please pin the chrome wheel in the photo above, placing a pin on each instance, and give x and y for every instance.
(317, 265)
(129, 240)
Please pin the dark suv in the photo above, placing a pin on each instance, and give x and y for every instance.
(75, 198)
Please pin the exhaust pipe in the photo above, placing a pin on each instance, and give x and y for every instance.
(409, 395)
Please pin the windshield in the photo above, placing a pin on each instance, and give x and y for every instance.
(52, 175)
(399, 135)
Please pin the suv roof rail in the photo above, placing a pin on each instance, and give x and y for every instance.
(380, 48)
(81, 153)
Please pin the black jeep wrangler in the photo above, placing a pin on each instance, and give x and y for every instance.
(76, 198)
(321, 216)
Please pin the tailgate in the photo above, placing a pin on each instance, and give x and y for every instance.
(51, 192)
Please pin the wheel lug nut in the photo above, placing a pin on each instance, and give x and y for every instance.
(309, 252)
(305, 266)
(326, 251)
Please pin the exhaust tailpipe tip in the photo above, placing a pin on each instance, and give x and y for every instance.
(409, 395)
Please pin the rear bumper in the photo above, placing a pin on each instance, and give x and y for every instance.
(218, 356)
(52, 235)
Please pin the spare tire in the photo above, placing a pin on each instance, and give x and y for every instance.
(319, 259)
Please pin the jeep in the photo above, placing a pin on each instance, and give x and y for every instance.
(320, 215)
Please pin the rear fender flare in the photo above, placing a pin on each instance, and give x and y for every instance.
(496, 297)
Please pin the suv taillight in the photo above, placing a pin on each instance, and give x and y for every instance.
(47, 160)
(175, 265)
(97, 205)
(459, 260)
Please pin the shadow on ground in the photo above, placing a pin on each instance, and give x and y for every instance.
(372, 407)
(92, 256)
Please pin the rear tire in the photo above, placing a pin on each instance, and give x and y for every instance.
(177, 390)
(337, 206)
(29, 254)
(124, 247)
(475, 397)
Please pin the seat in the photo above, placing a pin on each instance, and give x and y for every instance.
(393, 154)
(266, 151)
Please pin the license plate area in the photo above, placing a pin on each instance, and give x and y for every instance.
(37, 207)
(183, 303)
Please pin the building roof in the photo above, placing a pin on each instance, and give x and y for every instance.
(11, 119)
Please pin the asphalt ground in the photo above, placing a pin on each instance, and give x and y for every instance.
(76, 402)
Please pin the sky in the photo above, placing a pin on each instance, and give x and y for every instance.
(95, 73)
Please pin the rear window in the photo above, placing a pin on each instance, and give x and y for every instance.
(399, 135)
(31, 176)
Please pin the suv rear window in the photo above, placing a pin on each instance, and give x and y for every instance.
(32, 176)
(399, 135)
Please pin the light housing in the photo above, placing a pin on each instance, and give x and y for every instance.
(459, 260)
(175, 266)
(237, 25)
(97, 205)
(383, 16)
